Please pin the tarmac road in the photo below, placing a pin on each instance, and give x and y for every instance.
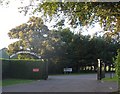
(65, 83)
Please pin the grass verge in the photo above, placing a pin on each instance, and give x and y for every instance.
(0, 83)
(7, 82)
(110, 79)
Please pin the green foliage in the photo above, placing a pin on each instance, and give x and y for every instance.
(23, 69)
(35, 37)
(63, 48)
(79, 13)
(85, 14)
(115, 78)
(118, 64)
(31, 35)
(7, 82)
(78, 51)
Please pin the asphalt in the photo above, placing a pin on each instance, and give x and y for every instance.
(65, 83)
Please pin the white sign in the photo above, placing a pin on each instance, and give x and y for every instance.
(98, 62)
(67, 69)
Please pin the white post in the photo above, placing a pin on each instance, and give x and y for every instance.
(98, 71)
(99, 63)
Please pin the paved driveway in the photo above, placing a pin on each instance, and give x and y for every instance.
(65, 83)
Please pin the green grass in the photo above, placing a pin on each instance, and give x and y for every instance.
(7, 82)
(0, 83)
(110, 79)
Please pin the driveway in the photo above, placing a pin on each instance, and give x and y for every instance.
(65, 83)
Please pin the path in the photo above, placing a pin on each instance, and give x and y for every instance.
(65, 83)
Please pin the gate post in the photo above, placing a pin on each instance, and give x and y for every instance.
(99, 70)
(102, 69)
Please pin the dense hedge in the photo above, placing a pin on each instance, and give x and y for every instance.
(55, 68)
(118, 69)
(24, 69)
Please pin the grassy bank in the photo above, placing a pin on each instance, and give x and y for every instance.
(7, 82)
(0, 83)
(110, 79)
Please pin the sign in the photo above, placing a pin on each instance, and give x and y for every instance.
(67, 69)
(36, 70)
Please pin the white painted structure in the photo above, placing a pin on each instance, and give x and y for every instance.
(26, 52)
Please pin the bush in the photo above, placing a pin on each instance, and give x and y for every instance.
(118, 63)
(118, 69)
(24, 69)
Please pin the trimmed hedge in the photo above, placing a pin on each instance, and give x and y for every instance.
(24, 69)
(117, 66)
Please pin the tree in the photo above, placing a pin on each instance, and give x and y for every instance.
(86, 13)
(79, 13)
(36, 37)
(33, 36)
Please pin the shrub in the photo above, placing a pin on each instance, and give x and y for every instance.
(118, 69)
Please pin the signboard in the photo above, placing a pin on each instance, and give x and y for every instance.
(67, 69)
(35, 69)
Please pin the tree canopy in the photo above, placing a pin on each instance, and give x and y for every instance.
(79, 13)
(86, 13)
(32, 36)
(61, 46)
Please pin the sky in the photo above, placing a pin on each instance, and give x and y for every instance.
(10, 18)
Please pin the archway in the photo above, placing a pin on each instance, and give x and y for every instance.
(26, 52)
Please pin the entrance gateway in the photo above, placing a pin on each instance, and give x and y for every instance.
(35, 69)
(100, 71)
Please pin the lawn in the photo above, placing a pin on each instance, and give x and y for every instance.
(110, 79)
(0, 83)
(7, 82)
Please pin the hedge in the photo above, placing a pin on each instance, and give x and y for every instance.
(24, 69)
(118, 69)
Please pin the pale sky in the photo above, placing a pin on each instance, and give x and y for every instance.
(10, 18)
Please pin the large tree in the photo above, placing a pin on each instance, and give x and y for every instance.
(86, 13)
(61, 46)
(82, 13)
(33, 36)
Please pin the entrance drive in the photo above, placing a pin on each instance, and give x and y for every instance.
(65, 83)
